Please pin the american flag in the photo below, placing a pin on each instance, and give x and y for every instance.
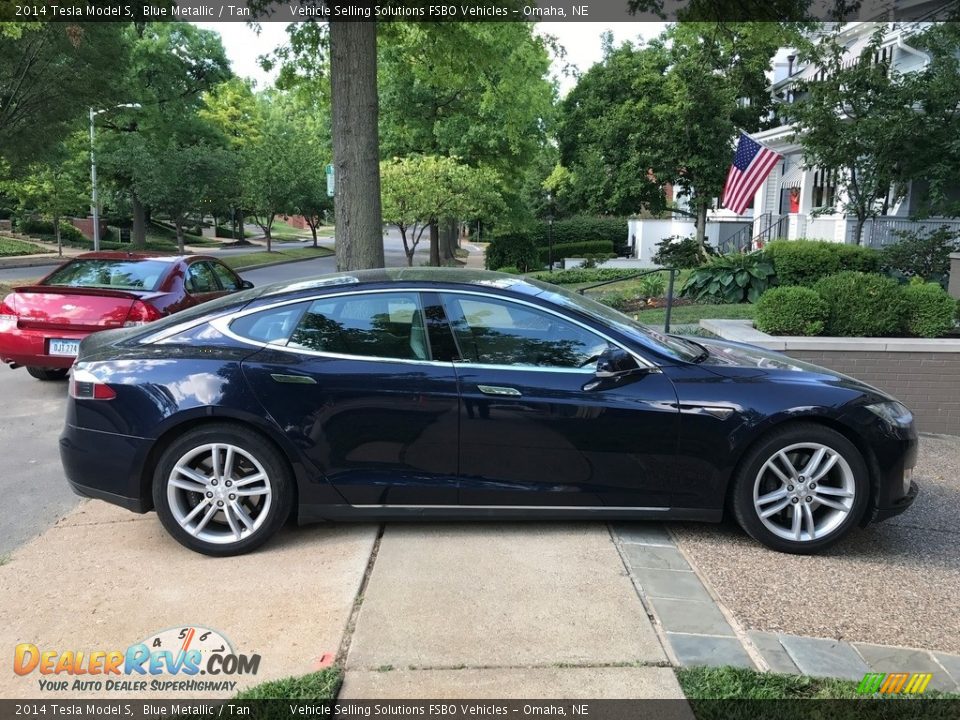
(751, 164)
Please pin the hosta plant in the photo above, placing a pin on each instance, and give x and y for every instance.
(731, 278)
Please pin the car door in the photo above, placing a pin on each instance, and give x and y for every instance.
(200, 282)
(229, 281)
(536, 430)
(354, 385)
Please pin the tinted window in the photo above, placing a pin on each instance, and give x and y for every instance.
(117, 274)
(269, 326)
(500, 332)
(200, 279)
(387, 325)
(228, 281)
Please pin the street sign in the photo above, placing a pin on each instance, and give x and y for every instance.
(330, 181)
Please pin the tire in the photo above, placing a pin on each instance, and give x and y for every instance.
(47, 374)
(256, 496)
(835, 501)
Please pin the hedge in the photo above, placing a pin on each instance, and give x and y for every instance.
(44, 229)
(929, 311)
(576, 250)
(519, 246)
(804, 262)
(791, 310)
(585, 275)
(861, 304)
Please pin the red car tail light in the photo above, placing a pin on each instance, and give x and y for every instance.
(140, 314)
(84, 385)
(8, 315)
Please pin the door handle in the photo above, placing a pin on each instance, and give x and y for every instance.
(497, 390)
(293, 379)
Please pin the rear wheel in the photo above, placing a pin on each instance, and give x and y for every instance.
(801, 489)
(222, 490)
(48, 373)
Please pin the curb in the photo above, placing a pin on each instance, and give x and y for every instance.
(280, 262)
(12, 263)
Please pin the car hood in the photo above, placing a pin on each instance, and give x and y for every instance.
(742, 360)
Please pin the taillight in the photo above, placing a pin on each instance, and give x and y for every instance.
(8, 315)
(84, 385)
(140, 314)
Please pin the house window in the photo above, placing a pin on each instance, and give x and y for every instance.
(824, 188)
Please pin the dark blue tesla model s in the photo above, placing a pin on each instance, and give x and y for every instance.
(448, 393)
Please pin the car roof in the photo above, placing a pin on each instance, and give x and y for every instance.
(417, 275)
(136, 256)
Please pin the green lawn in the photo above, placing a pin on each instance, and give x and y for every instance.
(321, 685)
(285, 233)
(243, 260)
(10, 247)
(692, 314)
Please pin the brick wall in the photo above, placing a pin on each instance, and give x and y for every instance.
(85, 226)
(926, 382)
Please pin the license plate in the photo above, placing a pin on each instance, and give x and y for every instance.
(64, 347)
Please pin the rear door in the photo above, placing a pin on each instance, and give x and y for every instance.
(355, 385)
(533, 430)
(200, 282)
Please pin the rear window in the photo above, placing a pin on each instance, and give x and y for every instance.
(113, 274)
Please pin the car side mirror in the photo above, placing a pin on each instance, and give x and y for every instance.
(245, 284)
(615, 362)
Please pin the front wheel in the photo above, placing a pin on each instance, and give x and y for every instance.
(222, 490)
(801, 489)
(47, 374)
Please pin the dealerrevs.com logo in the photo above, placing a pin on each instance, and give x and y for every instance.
(169, 661)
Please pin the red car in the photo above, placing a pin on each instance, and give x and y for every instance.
(41, 325)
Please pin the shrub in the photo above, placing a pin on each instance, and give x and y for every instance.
(579, 249)
(584, 275)
(44, 229)
(681, 252)
(923, 254)
(509, 270)
(791, 310)
(929, 311)
(803, 262)
(861, 304)
(733, 278)
(516, 251)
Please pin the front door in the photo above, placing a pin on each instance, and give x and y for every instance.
(534, 428)
(354, 385)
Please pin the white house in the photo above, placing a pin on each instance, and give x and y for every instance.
(787, 204)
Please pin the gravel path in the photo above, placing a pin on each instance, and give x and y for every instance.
(893, 583)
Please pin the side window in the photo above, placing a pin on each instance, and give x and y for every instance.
(228, 281)
(200, 279)
(269, 326)
(386, 325)
(499, 332)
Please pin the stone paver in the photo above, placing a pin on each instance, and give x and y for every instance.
(883, 658)
(106, 579)
(707, 650)
(824, 658)
(647, 533)
(683, 585)
(514, 683)
(655, 557)
(777, 659)
(478, 595)
(691, 616)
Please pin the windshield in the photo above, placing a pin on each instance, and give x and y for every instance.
(111, 274)
(674, 347)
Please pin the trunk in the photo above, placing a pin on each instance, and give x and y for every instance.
(448, 242)
(268, 233)
(139, 222)
(702, 227)
(41, 307)
(313, 231)
(859, 231)
(434, 244)
(407, 250)
(178, 223)
(356, 145)
(56, 233)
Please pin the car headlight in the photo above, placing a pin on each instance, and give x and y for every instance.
(893, 413)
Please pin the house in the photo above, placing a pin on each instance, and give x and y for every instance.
(791, 203)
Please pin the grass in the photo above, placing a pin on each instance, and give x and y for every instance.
(243, 260)
(321, 685)
(284, 232)
(730, 693)
(4, 559)
(11, 246)
(692, 314)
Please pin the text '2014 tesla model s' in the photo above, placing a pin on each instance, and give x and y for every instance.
(434, 393)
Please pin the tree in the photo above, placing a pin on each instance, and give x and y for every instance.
(475, 91)
(50, 73)
(55, 188)
(856, 119)
(421, 190)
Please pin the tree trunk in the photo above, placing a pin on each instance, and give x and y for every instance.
(356, 144)
(178, 223)
(139, 222)
(702, 228)
(434, 243)
(56, 233)
(448, 241)
(859, 234)
(313, 231)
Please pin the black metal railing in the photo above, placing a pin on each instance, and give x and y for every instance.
(633, 276)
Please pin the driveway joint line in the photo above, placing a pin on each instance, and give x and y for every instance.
(344, 649)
